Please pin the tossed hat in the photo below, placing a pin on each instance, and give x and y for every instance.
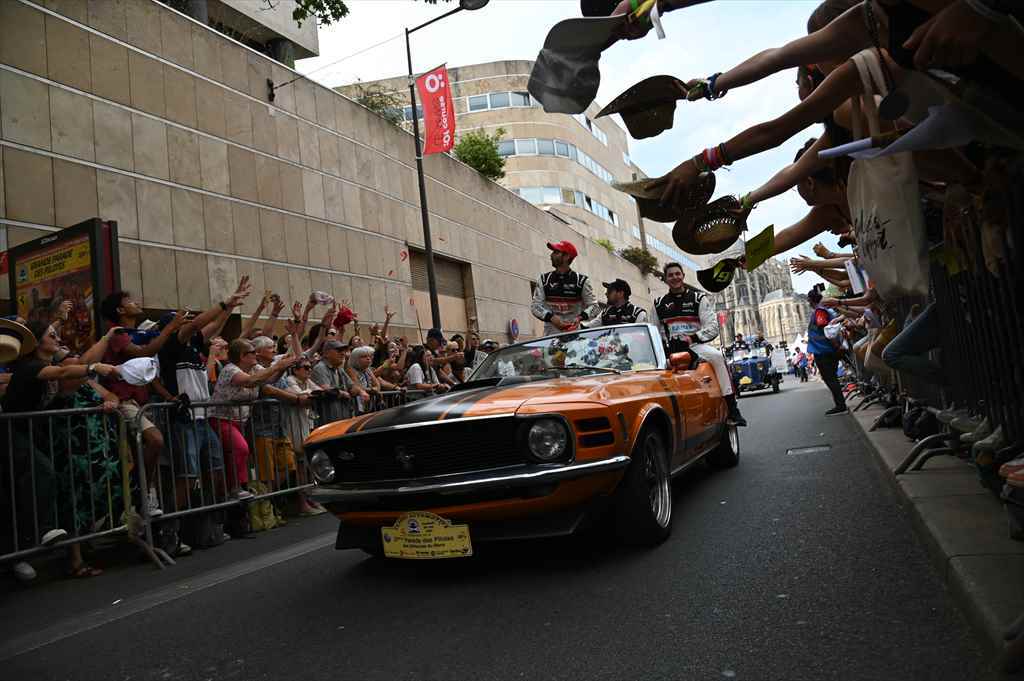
(618, 285)
(147, 325)
(565, 76)
(711, 229)
(564, 247)
(648, 108)
(139, 371)
(717, 277)
(648, 191)
(15, 340)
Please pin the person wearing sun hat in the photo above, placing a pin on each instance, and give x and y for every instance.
(33, 384)
(563, 298)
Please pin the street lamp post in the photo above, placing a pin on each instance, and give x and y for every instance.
(435, 310)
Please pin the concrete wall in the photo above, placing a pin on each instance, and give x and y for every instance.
(277, 17)
(130, 111)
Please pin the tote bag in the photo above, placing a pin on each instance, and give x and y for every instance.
(884, 201)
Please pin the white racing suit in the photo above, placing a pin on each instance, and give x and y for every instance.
(690, 313)
(569, 295)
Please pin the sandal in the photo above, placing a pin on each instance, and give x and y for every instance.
(84, 570)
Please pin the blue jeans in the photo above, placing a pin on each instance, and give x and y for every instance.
(195, 438)
(908, 352)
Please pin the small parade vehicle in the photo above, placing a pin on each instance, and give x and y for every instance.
(546, 436)
(754, 369)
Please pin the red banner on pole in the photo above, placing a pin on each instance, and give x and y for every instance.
(438, 111)
(723, 317)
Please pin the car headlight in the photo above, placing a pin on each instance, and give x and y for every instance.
(547, 439)
(323, 469)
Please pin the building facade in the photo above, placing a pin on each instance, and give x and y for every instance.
(755, 300)
(129, 110)
(562, 163)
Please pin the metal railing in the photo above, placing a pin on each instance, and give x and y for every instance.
(89, 471)
(65, 469)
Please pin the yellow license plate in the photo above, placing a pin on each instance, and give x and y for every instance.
(419, 535)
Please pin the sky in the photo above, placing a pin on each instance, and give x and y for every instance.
(699, 41)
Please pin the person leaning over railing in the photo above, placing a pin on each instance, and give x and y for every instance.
(32, 485)
(86, 460)
(240, 382)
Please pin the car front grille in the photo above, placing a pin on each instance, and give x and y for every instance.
(427, 450)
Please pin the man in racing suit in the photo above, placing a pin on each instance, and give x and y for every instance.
(563, 299)
(619, 309)
(687, 318)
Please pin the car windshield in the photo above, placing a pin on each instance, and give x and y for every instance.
(593, 351)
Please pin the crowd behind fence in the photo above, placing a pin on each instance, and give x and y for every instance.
(81, 470)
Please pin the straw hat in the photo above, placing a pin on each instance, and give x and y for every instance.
(710, 229)
(647, 193)
(16, 340)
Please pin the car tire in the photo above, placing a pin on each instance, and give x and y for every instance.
(727, 453)
(643, 506)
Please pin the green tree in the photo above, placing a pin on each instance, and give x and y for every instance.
(479, 150)
(606, 244)
(324, 12)
(387, 105)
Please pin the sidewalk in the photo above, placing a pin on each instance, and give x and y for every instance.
(964, 528)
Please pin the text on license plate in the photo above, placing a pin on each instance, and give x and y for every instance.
(420, 535)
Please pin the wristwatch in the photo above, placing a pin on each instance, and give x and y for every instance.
(223, 306)
(90, 372)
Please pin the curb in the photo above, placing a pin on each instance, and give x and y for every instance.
(975, 580)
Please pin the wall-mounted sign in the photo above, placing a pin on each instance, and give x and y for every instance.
(79, 264)
(513, 330)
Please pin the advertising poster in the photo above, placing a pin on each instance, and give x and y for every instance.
(77, 265)
(438, 111)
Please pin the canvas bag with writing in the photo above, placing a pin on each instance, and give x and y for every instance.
(884, 202)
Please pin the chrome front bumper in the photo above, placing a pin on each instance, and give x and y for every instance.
(520, 476)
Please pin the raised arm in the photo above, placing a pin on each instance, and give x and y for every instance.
(837, 41)
(250, 323)
(154, 346)
(818, 220)
(278, 305)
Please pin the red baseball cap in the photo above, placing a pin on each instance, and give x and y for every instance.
(564, 247)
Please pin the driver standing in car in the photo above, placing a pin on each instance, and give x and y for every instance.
(563, 299)
(687, 321)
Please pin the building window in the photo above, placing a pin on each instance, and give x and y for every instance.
(526, 147)
(549, 147)
(499, 100)
(625, 159)
(407, 112)
(478, 102)
(571, 197)
(507, 148)
(520, 98)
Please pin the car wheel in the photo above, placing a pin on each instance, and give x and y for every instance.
(643, 513)
(727, 453)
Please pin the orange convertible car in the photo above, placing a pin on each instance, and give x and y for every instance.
(545, 436)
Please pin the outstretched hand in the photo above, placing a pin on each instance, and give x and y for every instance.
(953, 37)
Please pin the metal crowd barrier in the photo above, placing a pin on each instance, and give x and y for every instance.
(981, 345)
(73, 469)
(62, 469)
(211, 450)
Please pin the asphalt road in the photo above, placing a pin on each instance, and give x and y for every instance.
(791, 566)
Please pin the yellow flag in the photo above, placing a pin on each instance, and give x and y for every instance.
(760, 248)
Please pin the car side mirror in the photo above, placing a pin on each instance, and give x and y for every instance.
(680, 361)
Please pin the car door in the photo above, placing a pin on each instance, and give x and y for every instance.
(691, 395)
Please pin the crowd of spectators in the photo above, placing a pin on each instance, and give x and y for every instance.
(234, 410)
(917, 172)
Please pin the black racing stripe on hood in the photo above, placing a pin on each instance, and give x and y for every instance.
(445, 407)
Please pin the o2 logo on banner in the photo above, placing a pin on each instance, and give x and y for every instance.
(438, 121)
